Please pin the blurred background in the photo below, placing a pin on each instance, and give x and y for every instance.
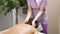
(9, 19)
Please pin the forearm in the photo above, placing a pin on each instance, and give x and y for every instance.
(38, 15)
(42, 9)
(28, 15)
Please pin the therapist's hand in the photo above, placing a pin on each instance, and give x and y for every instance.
(33, 23)
(26, 21)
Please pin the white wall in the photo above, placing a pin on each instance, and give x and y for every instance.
(21, 15)
(5, 21)
(53, 13)
(59, 24)
(9, 20)
(59, 19)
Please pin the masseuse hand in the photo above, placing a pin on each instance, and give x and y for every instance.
(25, 21)
(33, 23)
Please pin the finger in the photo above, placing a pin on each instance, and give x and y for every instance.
(33, 25)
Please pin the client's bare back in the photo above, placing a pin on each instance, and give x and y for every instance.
(20, 29)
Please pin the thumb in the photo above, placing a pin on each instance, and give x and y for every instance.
(33, 25)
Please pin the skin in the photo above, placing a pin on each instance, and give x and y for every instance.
(28, 14)
(20, 29)
(42, 9)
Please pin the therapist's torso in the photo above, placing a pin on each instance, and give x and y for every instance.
(36, 4)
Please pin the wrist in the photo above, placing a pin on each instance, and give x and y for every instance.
(34, 20)
(27, 19)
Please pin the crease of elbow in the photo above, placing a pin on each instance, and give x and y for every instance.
(43, 10)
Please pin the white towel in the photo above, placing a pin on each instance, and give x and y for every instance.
(40, 27)
(40, 33)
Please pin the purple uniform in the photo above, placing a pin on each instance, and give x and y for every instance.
(35, 9)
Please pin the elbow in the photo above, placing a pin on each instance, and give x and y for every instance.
(42, 9)
(29, 9)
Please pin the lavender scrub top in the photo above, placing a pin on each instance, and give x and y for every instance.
(35, 10)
